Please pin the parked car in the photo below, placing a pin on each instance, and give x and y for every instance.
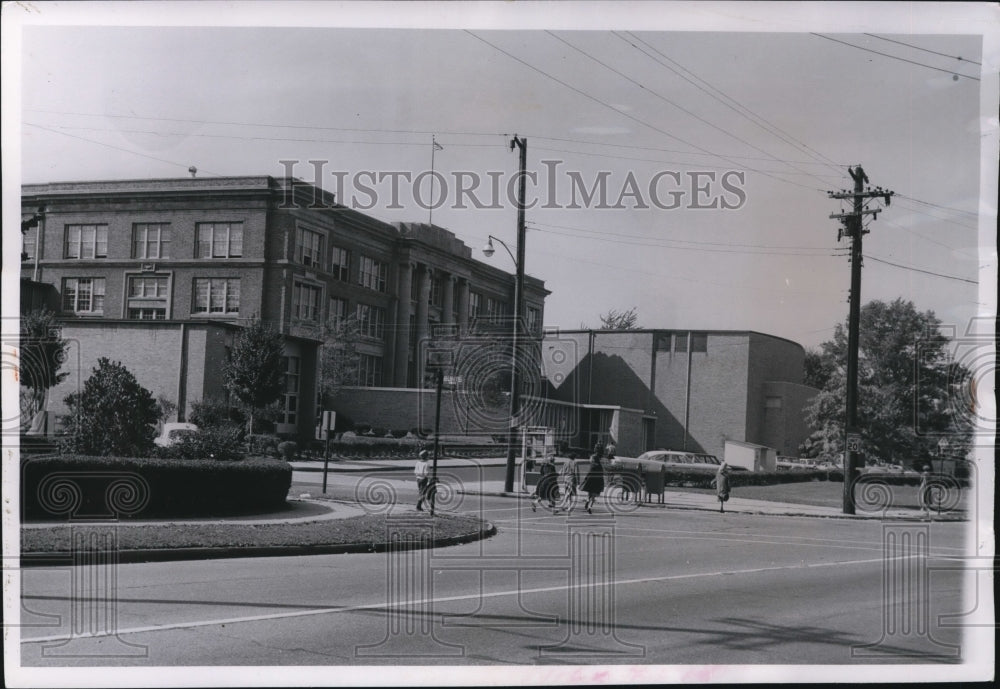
(172, 432)
(671, 459)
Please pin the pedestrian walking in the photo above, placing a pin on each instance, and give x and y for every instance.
(548, 486)
(924, 492)
(610, 450)
(722, 486)
(593, 483)
(422, 471)
(568, 481)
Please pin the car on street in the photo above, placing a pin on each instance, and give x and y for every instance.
(671, 459)
(173, 432)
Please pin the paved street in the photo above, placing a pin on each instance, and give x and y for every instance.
(653, 586)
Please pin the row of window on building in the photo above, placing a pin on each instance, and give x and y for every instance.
(216, 240)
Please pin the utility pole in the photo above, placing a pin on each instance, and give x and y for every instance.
(508, 482)
(854, 228)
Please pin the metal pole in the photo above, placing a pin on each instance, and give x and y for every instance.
(437, 441)
(508, 484)
(326, 457)
(853, 325)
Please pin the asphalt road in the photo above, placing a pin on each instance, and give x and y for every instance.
(650, 587)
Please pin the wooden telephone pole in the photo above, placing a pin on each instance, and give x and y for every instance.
(854, 228)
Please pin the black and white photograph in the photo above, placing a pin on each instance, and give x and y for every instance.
(525, 343)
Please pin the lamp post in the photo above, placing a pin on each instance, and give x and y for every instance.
(488, 251)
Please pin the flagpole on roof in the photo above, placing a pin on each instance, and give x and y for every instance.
(435, 146)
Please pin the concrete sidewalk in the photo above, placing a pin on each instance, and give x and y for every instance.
(348, 471)
(708, 502)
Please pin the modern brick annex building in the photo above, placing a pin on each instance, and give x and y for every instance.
(678, 389)
(160, 274)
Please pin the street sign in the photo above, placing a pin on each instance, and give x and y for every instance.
(329, 420)
(853, 442)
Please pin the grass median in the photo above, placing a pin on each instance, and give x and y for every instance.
(362, 533)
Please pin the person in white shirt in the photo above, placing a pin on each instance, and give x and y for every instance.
(422, 471)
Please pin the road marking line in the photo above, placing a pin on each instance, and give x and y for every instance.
(755, 535)
(736, 540)
(443, 599)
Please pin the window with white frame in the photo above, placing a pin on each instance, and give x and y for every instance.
(216, 295)
(147, 297)
(220, 240)
(86, 241)
(534, 319)
(475, 305)
(151, 240)
(83, 295)
(28, 245)
(372, 274)
(371, 321)
(340, 263)
(338, 310)
(306, 301)
(309, 248)
(369, 371)
(495, 309)
(436, 297)
(292, 375)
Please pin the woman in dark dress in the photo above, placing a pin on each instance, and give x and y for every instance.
(593, 484)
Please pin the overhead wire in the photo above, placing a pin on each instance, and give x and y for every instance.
(668, 101)
(926, 50)
(625, 114)
(894, 57)
(921, 270)
(739, 108)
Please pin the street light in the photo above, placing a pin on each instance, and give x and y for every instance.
(488, 251)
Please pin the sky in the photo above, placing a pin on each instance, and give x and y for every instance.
(767, 119)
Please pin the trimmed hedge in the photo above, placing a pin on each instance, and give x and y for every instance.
(84, 487)
(705, 479)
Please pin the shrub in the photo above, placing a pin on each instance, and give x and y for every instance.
(264, 445)
(86, 486)
(112, 415)
(288, 449)
(211, 413)
(223, 443)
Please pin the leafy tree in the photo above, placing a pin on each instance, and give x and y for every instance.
(112, 415)
(338, 356)
(43, 351)
(906, 381)
(620, 320)
(254, 374)
(818, 369)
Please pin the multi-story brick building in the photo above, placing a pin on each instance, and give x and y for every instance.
(160, 274)
(677, 389)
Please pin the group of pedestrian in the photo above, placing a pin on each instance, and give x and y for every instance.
(551, 481)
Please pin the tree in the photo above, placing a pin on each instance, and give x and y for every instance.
(338, 356)
(43, 351)
(254, 373)
(112, 415)
(818, 369)
(906, 382)
(620, 320)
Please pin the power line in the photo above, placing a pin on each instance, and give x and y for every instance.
(894, 57)
(689, 241)
(921, 270)
(937, 205)
(625, 114)
(381, 131)
(921, 211)
(654, 244)
(119, 148)
(926, 50)
(665, 99)
(739, 108)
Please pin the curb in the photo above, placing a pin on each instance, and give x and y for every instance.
(856, 517)
(42, 559)
(334, 469)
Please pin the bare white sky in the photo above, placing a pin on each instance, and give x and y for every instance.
(114, 102)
